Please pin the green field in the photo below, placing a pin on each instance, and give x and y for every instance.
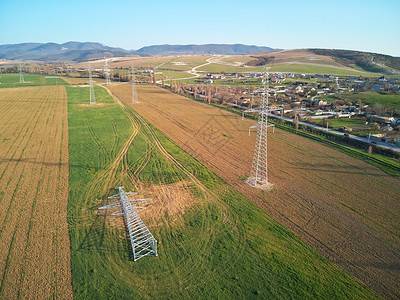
(295, 68)
(341, 122)
(223, 246)
(174, 74)
(12, 80)
(219, 68)
(370, 98)
(315, 69)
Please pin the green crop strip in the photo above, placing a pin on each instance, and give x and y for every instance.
(223, 246)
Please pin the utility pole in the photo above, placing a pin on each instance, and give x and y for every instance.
(92, 96)
(133, 82)
(21, 76)
(106, 72)
(259, 169)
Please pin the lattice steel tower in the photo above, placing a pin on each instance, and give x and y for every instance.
(259, 169)
(133, 82)
(21, 76)
(106, 72)
(142, 241)
(92, 96)
(70, 70)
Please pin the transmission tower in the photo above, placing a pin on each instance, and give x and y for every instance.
(92, 96)
(259, 169)
(133, 82)
(70, 70)
(21, 76)
(142, 241)
(106, 72)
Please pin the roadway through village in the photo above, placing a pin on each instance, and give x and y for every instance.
(351, 136)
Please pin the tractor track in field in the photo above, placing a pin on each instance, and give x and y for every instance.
(320, 180)
(189, 266)
(107, 177)
(133, 114)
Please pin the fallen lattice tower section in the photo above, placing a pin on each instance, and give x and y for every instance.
(142, 241)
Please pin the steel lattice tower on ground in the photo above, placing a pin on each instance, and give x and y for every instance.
(142, 241)
(92, 96)
(21, 76)
(133, 82)
(106, 72)
(259, 169)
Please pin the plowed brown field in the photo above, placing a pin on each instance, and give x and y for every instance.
(345, 208)
(34, 239)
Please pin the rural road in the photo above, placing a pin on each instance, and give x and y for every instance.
(354, 137)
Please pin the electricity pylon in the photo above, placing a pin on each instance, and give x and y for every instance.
(142, 241)
(92, 96)
(259, 169)
(133, 82)
(106, 72)
(21, 76)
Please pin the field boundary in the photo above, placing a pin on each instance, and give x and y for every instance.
(336, 142)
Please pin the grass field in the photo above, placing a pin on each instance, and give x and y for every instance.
(341, 122)
(323, 195)
(293, 67)
(370, 98)
(34, 242)
(12, 80)
(315, 69)
(213, 241)
(174, 74)
(219, 68)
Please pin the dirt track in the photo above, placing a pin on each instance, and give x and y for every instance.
(348, 210)
(34, 240)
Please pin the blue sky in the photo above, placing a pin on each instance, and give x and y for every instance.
(366, 25)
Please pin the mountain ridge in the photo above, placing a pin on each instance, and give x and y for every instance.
(89, 50)
(260, 55)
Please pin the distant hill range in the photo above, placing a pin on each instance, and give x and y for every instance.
(257, 56)
(76, 51)
(222, 49)
(71, 51)
(356, 60)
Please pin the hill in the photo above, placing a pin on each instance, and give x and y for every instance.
(223, 49)
(371, 62)
(77, 51)
(52, 51)
(346, 59)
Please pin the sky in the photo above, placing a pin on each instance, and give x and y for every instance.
(367, 25)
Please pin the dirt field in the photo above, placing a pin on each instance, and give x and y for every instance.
(300, 55)
(150, 62)
(34, 239)
(346, 209)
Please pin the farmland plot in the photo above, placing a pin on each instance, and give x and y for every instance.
(348, 210)
(13, 80)
(212, 241)
(34, 240)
